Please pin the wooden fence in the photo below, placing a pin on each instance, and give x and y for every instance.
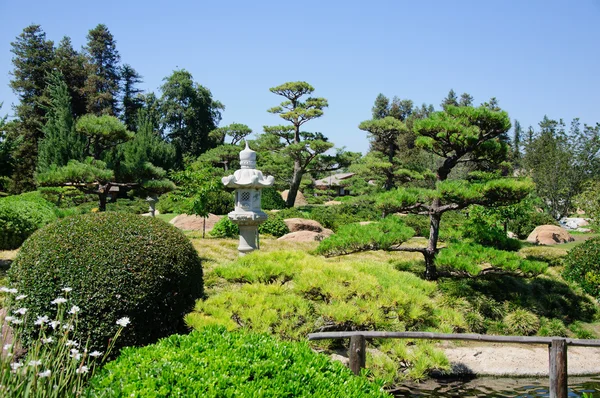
(557, 348)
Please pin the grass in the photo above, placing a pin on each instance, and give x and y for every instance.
(166, 217)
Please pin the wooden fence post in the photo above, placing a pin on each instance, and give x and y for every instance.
(558, 368)
(358, 353)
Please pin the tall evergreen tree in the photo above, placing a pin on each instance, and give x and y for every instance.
(189, 114)
(102, 84)
(61, 142)
(450, 100)
(381, 108)
(33, 57)
(72, 66)
(466, 100)
(516, 147)
(401, 109)
(132, 100)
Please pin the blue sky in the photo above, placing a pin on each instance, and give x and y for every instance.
(538, 57)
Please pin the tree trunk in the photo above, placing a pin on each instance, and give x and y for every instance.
(434, 233)
(295, 185)
(102, 205)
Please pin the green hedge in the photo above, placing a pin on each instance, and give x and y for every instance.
(215, 363)
(118, 265)
(582, 266)
(22, 215)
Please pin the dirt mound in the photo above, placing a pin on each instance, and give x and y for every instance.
(304, 236)
(194, 223)
(549, 235)
(300, 199)
(302, 224)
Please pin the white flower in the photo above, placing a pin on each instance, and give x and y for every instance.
(7, 347)
(95, 354)
(16, 365)
(41, 320)
(74, 310)
(4, 289)
(54, 324)
(9, 318)
(8, 290)
(66, 289)
(20, 297)
(35, 363)
(75, 354)
(83, 369)
(21, 311)
(47, 340)
(123, 321)
(72, 343)
(59, 300)
(45, 373)
(16, 321)
(68, 326)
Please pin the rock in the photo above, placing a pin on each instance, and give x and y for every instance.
(549, 235)
(194, 223)
(332, 203)
(302, 224)
(574, 222)
(341, 358)
(303, 236)
(300, 199)
(512, 235)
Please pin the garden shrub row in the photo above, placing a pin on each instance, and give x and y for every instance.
(20, 216)
(215, 363)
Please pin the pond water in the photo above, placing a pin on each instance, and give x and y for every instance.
(497, 387)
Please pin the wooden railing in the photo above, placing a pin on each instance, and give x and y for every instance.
(557, 347)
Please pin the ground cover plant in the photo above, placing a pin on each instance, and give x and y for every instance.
(218, 363)
(118, 265)
(582, 266)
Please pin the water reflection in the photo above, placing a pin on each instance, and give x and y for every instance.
(497, 387)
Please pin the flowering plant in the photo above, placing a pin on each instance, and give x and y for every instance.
(53, 365)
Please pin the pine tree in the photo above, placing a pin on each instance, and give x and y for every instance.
(61, 142)
(32, 61)
(450, 100)
(466, 100)
(102, 84)
(516, 147)
(381, 108)
(132, 100)
(72, 66)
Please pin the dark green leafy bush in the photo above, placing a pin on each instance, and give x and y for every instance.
(274, 226)
(419, 223)
(334, 217)
(490, 236)
(271, 200)
(118, 265)
(524, 224)
(22, 215)
(124, 205)
(553, 327)
(582, 266)
(224, 228)
(215, 363)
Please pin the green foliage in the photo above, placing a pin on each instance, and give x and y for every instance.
(119, 265)
(480, 232)
(589, 200)
(355, 210)
(65, 197)
(551, 255)
(102, 132)
(552, 327)
(581, 332)
(521, 322)
(88, 172)
(524, 224)
(224, 228)
(121, 205)
(474, 259)
(419, 223)
(582, 266)
(382, 235)
(200, 192)
(271, 200)
(215, 363)
(22, 215)
(273, 226)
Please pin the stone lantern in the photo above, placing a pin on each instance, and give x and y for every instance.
(248, 183)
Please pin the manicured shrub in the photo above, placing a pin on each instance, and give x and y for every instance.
(271, 200)
(521, 322)
(215, 363)
(582, 266)
(20, 216)
(118, 265)
(490, 236)
(224, 228)
(552, 327)
(274, 226)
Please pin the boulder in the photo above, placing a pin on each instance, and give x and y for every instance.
(194, 223)
(300, 199)
(303, 236)
(549, 235)
(302, 224)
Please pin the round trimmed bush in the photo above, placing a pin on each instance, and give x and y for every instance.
(225, 228)
(271, 200)
(20, 216)
(582, 266)
(118, 265)
(216, 363)
(274, 225)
